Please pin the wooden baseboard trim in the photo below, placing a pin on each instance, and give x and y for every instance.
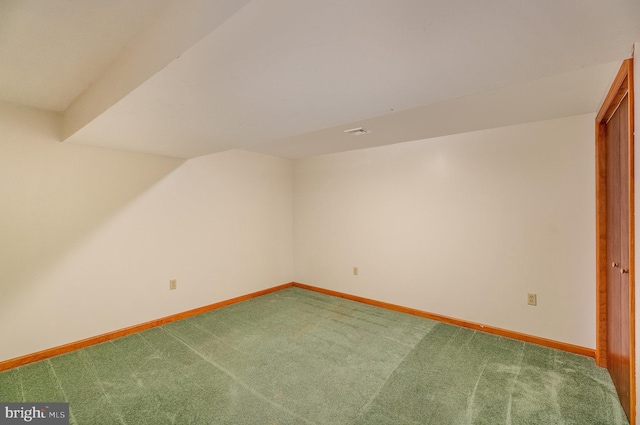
(62, 349)
(463, 323)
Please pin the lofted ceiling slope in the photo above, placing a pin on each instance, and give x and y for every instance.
(52, 50)
(287, 77)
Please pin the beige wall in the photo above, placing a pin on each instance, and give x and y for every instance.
(464, 226)
(90, 237)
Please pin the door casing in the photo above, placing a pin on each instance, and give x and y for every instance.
(622, 85)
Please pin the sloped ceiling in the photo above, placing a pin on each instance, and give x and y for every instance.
(287, 77)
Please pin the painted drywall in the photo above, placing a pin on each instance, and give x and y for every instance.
(463, 226)
(90, 237)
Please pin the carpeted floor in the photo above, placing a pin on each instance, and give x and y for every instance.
(299, 357)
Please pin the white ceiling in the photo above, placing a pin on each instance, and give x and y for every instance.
(285, 77)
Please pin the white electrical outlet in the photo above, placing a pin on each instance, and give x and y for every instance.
(532, 299)
(173, 284)
(355, 270)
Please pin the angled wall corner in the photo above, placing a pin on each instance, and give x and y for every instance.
(153, 49)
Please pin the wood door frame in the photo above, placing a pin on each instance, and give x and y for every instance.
(622, 85)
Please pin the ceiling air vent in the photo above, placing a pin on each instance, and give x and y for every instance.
(358, 131)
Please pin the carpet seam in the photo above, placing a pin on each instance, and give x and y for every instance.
(86, 358)
(513, 384)
(64, 394)
(368, 404)
(24, 399)
(469, 412)
(238, 380)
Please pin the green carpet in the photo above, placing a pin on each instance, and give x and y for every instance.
(299, 357)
